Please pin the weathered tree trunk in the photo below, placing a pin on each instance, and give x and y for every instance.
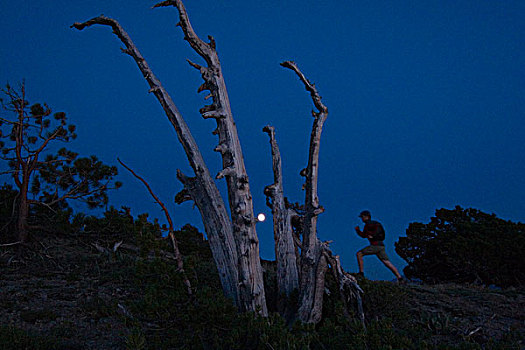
(313, 264)
(316, 256)
(349, 290)
(251, 284)
(287, 273)
(234, 243)
(201, 188)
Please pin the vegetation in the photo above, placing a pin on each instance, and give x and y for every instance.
(45, 179)
(465, 245)
(75, 291)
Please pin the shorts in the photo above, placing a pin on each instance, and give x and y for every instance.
(378, 250)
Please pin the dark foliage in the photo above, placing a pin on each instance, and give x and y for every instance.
(465, 245)
(135, 298)
(46, 178)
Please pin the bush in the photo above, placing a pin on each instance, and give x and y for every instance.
(465, 245)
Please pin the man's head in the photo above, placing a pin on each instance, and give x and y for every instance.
(365, 215)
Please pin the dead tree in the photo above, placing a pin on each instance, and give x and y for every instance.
(285, 247)
(315, 256)
(233, 240)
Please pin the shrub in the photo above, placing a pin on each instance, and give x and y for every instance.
(465, 245)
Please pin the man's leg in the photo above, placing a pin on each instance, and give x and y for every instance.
(360, 261)
(381, 254)
(368, 250)
(392, 268)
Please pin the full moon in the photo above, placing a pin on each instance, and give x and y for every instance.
(261, 217)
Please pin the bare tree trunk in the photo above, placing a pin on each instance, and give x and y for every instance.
(287, 273)
(251, 284)
(234, 243)
(313, 265)
(316, 257)
(206, 196)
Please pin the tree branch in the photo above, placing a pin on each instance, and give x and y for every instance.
(308, 85)
(11, 244)
(202, 48)
(171, 230)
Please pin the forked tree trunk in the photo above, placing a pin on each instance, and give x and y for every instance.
(234, 242)
(316, 256)
(201, 188)
(313, 263)
(251, 284)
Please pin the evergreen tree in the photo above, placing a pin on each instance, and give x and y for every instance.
(465, 245)
(46, 180)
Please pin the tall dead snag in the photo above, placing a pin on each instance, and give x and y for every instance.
(201, 188)
(251, 284)
(313, 263)
(287, 273)
(234, 242)
(315, 256)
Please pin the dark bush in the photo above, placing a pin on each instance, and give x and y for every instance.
(465, 245)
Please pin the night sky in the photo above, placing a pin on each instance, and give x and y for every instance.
(426, 101)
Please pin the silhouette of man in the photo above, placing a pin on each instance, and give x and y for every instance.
(375, 233)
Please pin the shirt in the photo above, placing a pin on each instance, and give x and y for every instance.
(370, 231)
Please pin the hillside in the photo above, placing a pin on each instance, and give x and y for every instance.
(75, 292)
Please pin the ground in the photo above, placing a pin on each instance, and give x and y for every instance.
(75, 292)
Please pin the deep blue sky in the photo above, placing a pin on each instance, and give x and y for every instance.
(426, 101)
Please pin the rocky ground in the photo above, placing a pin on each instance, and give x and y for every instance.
(470, 311)
(68, 289)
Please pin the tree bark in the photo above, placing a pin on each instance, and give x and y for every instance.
(313, 264)
(251, 284)
(287, 273)
(213, 211)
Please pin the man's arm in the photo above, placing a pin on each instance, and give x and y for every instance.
(366, 233)
(359, 232)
